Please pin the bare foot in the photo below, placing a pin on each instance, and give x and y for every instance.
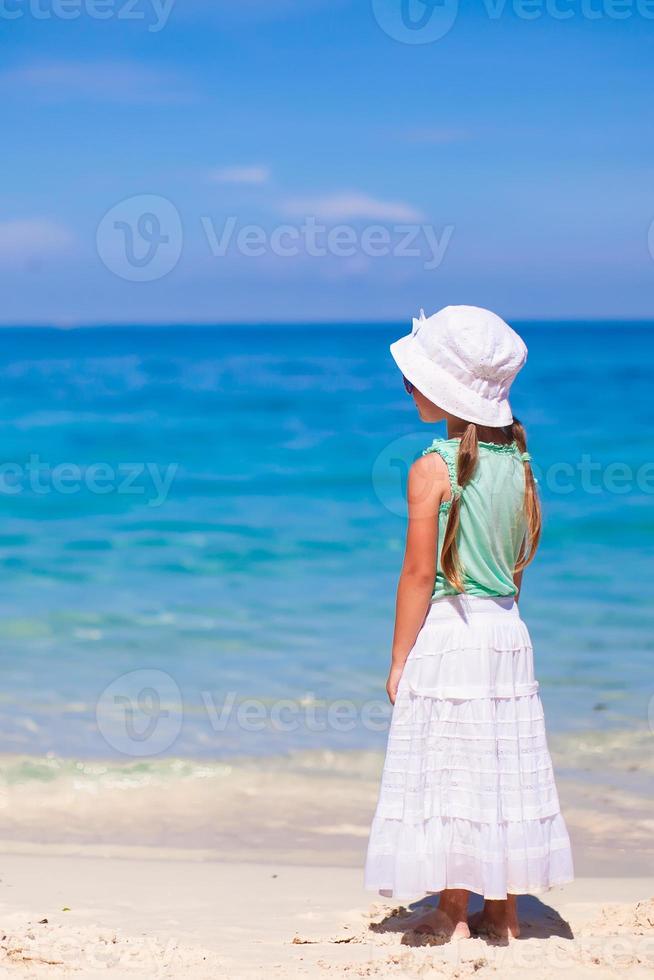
(437, 923)
(449, 920)
(497, 919)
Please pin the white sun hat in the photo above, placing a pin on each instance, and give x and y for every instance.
(463, 359)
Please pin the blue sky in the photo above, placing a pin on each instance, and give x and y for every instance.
(164, 164)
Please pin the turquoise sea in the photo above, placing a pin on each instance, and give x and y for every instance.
(194, 518)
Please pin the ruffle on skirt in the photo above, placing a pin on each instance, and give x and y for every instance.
(468, 798)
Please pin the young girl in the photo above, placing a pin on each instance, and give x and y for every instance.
(468, 801)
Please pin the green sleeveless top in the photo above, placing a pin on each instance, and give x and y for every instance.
(492, 524)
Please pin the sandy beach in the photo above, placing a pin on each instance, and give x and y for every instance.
(253, 869)
(154, 917)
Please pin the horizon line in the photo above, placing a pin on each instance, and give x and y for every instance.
(296, 323)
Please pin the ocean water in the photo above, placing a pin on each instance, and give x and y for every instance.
(201, 532)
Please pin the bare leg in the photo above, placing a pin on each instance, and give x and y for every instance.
(498, 919)
(513, 924)
(450, 919)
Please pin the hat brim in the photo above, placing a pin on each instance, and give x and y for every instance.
(444, 390)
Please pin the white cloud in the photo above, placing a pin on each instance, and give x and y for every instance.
(249, 174)
(352, 205)
(99, 81)
(32, 239)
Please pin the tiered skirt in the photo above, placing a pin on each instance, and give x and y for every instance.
(468, 798)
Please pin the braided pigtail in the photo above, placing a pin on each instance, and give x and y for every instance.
(533, 514)
(468, 457)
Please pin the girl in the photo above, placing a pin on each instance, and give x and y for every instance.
(468, 801)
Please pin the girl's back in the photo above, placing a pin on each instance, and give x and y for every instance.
(492, 523)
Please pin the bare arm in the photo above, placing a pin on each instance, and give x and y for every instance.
(428, 485)
(517, 581)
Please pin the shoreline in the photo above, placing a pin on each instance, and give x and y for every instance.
(305, 808)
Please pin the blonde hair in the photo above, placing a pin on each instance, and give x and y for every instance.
(467, 460)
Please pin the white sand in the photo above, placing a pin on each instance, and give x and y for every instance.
(253, 869)
(178, 918)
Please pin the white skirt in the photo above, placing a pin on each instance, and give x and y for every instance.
(468, 798)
